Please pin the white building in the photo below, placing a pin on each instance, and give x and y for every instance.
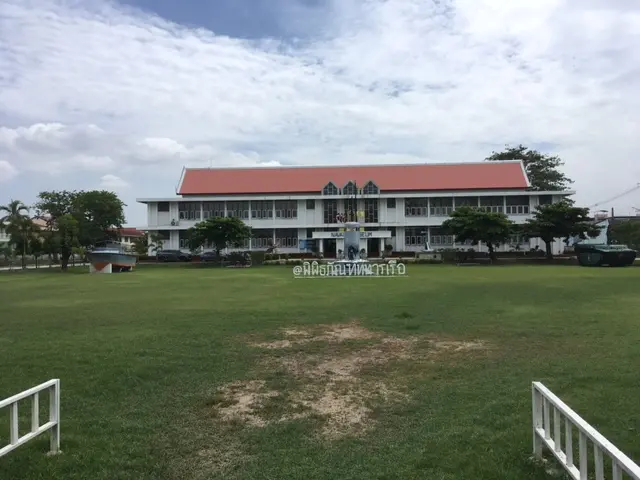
(299, 208)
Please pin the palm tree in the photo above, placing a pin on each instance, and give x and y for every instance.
(17, 224)
(14, 209)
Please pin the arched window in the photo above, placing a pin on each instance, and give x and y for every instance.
(349, 189)
(370, 189)
(330, 189)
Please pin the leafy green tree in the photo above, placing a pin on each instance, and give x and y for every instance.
(149, 241)
(66, 238)
(36, 248)
(219, 232)
(8, 254)
(97, 215)
(626, 232)
(543, 170)
(560, 220)
(491, 228)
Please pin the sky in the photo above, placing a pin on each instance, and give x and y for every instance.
(122, 94)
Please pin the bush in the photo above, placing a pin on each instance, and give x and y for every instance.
(258, 257)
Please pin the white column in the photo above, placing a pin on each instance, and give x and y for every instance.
(321, 245)
(381, 246)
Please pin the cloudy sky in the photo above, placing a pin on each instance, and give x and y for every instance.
(121, 95)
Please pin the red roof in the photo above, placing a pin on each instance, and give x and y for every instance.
(130, 232)
(273, 180)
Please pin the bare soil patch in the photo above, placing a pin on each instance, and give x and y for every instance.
(331, 382)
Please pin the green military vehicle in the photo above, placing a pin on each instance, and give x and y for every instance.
(600, 255)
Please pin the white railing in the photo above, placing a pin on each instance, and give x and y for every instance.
(545, 432)
(15, 440)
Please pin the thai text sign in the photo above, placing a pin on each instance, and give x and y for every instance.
(349, 269)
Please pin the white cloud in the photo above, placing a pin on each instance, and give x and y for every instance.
(114, 182)
(412, 80)
(7, 171)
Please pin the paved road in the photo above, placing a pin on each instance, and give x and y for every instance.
(40, 267)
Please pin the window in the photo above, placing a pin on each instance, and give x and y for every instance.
(311, 204)
(349, 189)
(415, 207)
(287, 238)
(370, 189)
(441, 207)
(163, 206)
(440, 238)
(189, 210)
(330, 189)
(517, 205)
(371, 210)
(238, 210)
(309, 232)
(262, 209)
(492, 204)
(330, 210)
(212, 209)
(545, 200)
(391, 203)
(466, 202)
(262, 239)
(164, 239)
(415, 236)
(286, 209)
(351, 209)
(183, 236)
(518, 240)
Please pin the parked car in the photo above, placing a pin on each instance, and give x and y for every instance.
(209, 257)
(173, 256)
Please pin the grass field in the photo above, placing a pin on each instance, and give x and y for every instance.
(181, 373)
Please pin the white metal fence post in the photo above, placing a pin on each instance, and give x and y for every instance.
(537, 421)
(54, 416)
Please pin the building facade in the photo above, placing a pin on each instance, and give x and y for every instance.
(302, 209)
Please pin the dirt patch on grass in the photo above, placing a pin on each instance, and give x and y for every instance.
(327, 333)
(242, 400)
(339, 372)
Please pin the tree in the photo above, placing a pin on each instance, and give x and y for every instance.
(543, 170)
(626, 232)
(491, 228)
(14, 209)
(149, 241)
(7, 253)
(141, 244)
(24, 235)
(66, 238)
(219, 232)
(18, 225)
(97, 215)
(560, 220)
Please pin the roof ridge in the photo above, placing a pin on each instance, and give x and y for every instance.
(363, 165)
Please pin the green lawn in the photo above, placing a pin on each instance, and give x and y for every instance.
(189, 373)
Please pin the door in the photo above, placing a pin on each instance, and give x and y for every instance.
(373, 247)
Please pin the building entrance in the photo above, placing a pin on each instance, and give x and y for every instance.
(373, 247)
